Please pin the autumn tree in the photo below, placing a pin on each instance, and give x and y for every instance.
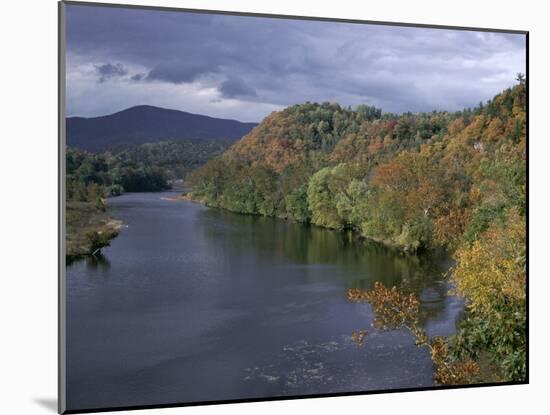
(394, 309)
(491, 275)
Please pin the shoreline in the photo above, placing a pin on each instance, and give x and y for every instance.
(386, 243)
(88, 231)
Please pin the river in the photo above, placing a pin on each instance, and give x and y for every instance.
(195, 304)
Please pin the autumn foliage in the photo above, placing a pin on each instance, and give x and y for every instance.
(393, 309)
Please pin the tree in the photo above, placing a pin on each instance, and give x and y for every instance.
(393, 310)
(322, 201)
(491, 275)
(520, 78)
(352, 204)
(297, 206)
(208, 183)
(411, 191)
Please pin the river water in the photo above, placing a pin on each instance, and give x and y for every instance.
(194, 304)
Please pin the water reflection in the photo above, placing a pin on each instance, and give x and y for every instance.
(311, 247)
(97, 262)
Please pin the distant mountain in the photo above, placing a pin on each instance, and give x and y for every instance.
(145, 123)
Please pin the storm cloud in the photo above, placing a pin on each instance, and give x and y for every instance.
(235, 88)
(109, 71)
(244, 67)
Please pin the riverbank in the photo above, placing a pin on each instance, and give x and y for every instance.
(88, 229)
(182, 196)
(389, 243)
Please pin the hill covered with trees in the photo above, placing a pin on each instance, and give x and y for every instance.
(148, 167)
(148, 124)
(414, 181)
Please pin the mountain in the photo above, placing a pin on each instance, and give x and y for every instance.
(145, 123)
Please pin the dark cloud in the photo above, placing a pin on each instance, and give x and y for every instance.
(236, 88)
(178, 72)
(109, 70)
(137, 77)
(276, 62)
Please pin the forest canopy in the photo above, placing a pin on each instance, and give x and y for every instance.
(416, 181)
(139, 168)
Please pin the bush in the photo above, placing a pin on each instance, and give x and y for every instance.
(97, 241)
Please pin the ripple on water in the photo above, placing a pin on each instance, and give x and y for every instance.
(317, 368)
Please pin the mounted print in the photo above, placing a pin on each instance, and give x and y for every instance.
(259, 207)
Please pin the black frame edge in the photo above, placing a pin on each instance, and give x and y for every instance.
(61, 328)
(291, 398)
(292, 17)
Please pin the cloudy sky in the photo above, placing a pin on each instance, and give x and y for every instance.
(246, 67)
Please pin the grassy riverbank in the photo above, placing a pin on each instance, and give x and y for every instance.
(88, 229)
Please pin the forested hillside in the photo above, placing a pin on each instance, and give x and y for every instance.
(148, 124)
(144, 168)
(415, 181)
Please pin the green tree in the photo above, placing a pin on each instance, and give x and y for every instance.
(297, 206)
(322, 201)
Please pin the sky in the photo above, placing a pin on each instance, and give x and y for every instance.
(243, 67)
